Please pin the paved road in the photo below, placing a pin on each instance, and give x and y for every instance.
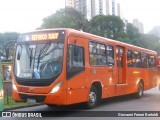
(149, 102)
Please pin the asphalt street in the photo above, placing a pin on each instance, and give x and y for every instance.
(149, 102)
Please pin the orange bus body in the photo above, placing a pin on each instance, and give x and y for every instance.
(118, 78)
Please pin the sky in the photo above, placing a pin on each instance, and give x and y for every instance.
(27, 15)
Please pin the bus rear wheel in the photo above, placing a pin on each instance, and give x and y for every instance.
(93, 98)
(139, 93)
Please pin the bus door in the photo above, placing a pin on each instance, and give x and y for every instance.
(120, 65)
(152, 75)
(76, 75)
(121, 86)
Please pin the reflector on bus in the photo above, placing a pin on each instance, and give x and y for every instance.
(151, 56)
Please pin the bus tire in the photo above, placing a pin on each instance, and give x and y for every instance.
(139, 93)
(51, 105)
(93, 98)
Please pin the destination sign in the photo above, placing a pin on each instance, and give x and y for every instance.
(45, 36)
(42, 36)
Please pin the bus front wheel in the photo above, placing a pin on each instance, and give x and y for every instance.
(139, 93)
(93, 98)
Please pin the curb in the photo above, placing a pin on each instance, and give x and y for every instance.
(19, 107)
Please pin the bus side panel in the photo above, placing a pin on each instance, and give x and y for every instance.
(145, 75)
(77, 90)
(109, 82)
(105, 77)
(152, 77)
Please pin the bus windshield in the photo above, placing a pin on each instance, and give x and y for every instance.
(39, 61)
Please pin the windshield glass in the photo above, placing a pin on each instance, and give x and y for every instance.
(38, 61)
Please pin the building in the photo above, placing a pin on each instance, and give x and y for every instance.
(70, 3)
(85, 7)
(94, 8)
(91, 8)
(155, 31)
(102, 7)
(108, 7)
(138, 25)
(118, 10)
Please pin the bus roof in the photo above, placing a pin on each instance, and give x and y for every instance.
(93, 37)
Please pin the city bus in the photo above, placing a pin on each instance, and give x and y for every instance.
(1, 89)
(67, 66)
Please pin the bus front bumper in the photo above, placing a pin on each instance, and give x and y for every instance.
(58, 98)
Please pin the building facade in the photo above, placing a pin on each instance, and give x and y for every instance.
(91, 8)
(138, 25)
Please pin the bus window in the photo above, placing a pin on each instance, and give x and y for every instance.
(152, 61)
(75, 60)
(97, 54)
(130, 61)
(137, 57)
(144, 57)
(134, 59)
(40, 61)
(120, 54)
(110, 55)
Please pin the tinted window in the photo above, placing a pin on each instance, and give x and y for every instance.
(97, 54)
(144, 57)
(130, 61)
(134, 59)
(120, 54)
(152, 61)
(75, 60)
(137, 57)
(110, 55)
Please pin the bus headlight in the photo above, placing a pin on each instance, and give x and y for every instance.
(1, 93)
(56, 88)
(14, 86)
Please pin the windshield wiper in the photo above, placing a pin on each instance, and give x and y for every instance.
(29, 53)
(30, 56)
(42, 52)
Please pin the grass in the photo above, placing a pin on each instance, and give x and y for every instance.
(10, 103)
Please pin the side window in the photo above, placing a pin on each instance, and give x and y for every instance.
(152, 61)
(75, 60)
(130, 61)
(119, 54)
(110, 55)
(144, 58)
(137, 57)
(134, 59)
(97, 54)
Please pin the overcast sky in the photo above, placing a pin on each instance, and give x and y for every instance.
(27, 15)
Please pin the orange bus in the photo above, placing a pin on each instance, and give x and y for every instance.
(66, 66)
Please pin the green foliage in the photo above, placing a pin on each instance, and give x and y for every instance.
(64, 18)
(112, 27)
(7, 41)
(131, 31)
(5, 37)
(107, 26)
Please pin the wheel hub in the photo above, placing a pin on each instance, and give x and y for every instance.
(92, 97)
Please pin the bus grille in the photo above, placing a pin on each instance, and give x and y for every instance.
(37, 98)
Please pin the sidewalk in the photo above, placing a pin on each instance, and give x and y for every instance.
(153, 91)
(18, 107)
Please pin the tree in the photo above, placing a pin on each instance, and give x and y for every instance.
(65, 18)
(7, 42)
(132, 32)
(107, 26)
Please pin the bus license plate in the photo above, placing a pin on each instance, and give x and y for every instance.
(31, 100)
